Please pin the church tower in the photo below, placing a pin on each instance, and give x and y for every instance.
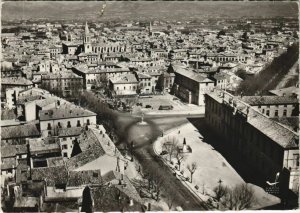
(150, 29)
(87, 40)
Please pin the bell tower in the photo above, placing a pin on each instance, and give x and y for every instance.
(87, 40)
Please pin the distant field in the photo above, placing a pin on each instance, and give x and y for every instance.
(145, 9)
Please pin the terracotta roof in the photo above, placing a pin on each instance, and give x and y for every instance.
(64, 111)
(79, 178)
(43, 145)
(53, 175)
(269, 100)
(111, 199)
(20, 131)
(22, 171)
(124, 79)
(93, 145)
(280, 135)
(190, 74)
(13, 150)
(16, 81)
(118, 180)
(73, 131)
(8, 163)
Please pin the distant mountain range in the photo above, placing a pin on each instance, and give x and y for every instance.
(127, 10)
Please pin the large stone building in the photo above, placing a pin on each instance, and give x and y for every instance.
(124, 85)
(274, 106)
(266, 146)
(64, 83)
(64, 115)
(191, 86)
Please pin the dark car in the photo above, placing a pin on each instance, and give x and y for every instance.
(165, 107)
(148, 106)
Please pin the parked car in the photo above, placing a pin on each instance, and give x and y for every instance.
(165, 107)
(148, 106)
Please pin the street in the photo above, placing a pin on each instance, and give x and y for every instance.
(143, 137)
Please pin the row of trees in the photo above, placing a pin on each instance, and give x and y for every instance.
(237, 198)
(268, 78)
(171, 148)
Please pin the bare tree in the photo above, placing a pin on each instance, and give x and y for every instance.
(238, 198)
(171, 146)
(180, 157)
(192, 168)
(220, 192)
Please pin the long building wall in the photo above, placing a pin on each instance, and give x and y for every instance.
(259, 151)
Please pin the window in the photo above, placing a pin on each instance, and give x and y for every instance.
(49, 126)
(263, 110)
(65, 155)
(284, 112)
(88, 121)
(259, 107)
(65, 146)
(69, 124)
(78, 123)
(276, 113)
(267, 112)
(296, 160)
(59, 125)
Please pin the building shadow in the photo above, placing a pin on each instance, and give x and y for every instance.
(235, 159)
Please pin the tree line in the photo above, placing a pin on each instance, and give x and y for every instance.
(268, 78)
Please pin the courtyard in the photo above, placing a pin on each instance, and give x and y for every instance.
(151, 104)
(211, 170)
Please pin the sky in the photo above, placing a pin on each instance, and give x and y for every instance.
(145, 9)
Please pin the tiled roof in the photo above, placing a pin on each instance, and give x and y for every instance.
(124, 79)
(22, 171)
(282, 136)
(291, 122)
(276, 132)
(111, 199)
(42, 145)
(20, 131)
(13, 150)
(286, 91)
(73, 131)
(28, 99)
(64, 111)
(269, 100)
(190, 74)
(93, 145)
(52, 175)
(16, 81)
(115, 178)
(8, 163)
(143, 75)
(79, 178)
(61, 75)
